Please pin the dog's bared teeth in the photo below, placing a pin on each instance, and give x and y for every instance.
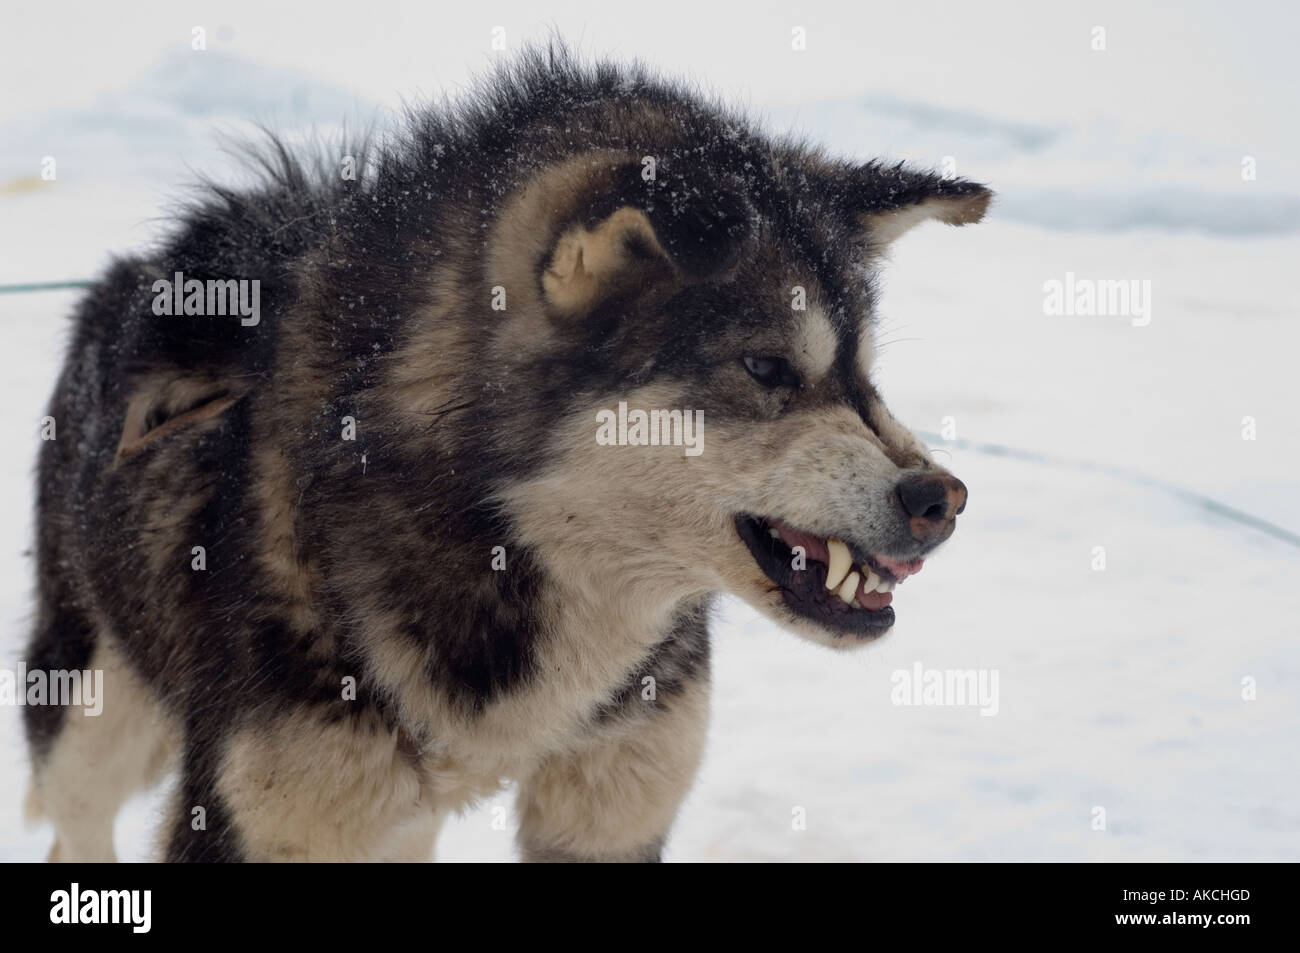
(872, 580)
(885, 587)
(840, 562)
(771, 531)
(849, 590)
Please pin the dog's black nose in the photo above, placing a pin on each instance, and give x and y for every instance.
(932, 502)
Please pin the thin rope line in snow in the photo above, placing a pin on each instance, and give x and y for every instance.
(44, 286)
(1119, 473)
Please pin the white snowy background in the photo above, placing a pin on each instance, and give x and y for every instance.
(1120, 688)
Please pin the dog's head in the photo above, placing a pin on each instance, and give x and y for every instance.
(696, 347)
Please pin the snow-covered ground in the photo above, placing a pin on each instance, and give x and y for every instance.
(1118, 688)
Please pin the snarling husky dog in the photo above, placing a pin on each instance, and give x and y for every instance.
(357, 564)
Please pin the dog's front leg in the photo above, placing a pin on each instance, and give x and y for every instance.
(614, 798)
(302, 785)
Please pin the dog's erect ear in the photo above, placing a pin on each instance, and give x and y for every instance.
(889, 200)
(589, 263)
(633, 233)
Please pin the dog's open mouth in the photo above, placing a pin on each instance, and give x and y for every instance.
(840, 587)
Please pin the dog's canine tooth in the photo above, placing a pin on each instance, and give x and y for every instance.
(840, 563)
(885, 587)
(849, 589)
(772, 531)
(872, 580)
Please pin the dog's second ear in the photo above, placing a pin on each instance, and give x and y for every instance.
(634, 233)
(887, 201)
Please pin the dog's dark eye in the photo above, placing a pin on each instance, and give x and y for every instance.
(771, 371)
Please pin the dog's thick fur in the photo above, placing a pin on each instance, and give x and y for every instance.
(511, 600)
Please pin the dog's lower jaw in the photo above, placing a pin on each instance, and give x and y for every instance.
(818, 635)
(797, 598)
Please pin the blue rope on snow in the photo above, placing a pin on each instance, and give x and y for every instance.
(1119, 473)
(44, 286)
